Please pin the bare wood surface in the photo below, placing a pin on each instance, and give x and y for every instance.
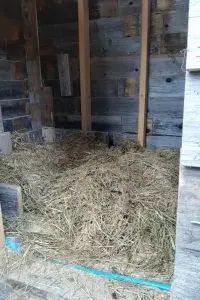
(11, 200)
(144, 64)
(5, 143)
(1, 121)
(64, 75)
(2, 235)
(187, 263)
(30, 27)
(84, 56)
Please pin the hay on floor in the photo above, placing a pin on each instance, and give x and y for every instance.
(94, 203)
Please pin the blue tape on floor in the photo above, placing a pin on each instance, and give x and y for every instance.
(164, 287)
(13, 245)
(124, 278)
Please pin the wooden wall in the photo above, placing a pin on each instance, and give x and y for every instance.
(115, 54)
(115, 59)
(13, 83)
(187, 265)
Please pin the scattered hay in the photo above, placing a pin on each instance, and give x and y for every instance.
(96, 204)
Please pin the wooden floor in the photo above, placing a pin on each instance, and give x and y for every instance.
(49, 281)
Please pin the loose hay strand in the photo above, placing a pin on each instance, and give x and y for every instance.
(87, 203)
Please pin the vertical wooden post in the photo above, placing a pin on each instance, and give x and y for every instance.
(1, 121)
(144, 65)
(2, 236)
(84, 56)
(30, 26)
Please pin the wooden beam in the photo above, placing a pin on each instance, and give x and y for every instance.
(1, 121)
(84, 56)
(144, 66)
(2, 235)
(30, 28)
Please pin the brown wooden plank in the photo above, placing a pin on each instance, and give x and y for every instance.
(30, 26)
(64, 75)
(84, 55)
(2, 235)
(145, 29)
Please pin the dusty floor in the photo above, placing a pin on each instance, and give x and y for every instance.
(47, 281)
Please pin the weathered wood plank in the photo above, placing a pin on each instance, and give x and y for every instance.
(30, 26)
(163, 142)
(2, 234)
(5, 143)
(46, 101)
(22, 122)
(144, 67)
(84, 57)
(13, 89)
(64, 75)
(11, 70)
(11, 200)
(1, 121)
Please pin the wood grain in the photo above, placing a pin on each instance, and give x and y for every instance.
(11, 200)
(30, 26)
(84, 56)
(64, 75)
(2, 234)
(144, 65)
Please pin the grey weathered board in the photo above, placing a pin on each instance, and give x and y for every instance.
(191, 135)
(115, 53)
(5, 143)
(30, 31)
(1, 121)
(11, 200)
(64, 74)
(2, 234)
(187, 263)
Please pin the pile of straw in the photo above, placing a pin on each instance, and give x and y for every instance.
(95, 203)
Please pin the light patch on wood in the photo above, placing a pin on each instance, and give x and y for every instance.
(5, 143)
(163, 4)
(49, 134)
(108, 8)
(157, 23)
(130, 26)
(130, 88)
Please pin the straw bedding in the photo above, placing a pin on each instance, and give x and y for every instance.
(94, 203)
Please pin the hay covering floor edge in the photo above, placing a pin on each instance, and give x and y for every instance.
(86, 203)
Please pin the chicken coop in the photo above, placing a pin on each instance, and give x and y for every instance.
(97, 98)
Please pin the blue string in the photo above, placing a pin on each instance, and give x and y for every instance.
(15, 246)
(118, 277)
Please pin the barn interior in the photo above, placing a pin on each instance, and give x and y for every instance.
(91, 113)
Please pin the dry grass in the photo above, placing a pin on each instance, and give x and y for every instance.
(96, 204)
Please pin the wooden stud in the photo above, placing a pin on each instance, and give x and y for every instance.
(1, 121)
(30, 26)
(2, 235)
(144, 66)
(84, 55)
